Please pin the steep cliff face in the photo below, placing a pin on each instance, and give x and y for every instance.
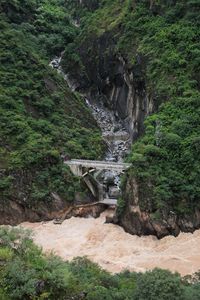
(105, 76)
(97, 65)
(142, 217)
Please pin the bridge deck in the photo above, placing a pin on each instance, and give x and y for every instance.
(98, 164)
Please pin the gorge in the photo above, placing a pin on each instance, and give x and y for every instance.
(99, 150)
(140, 74)
(94, 239)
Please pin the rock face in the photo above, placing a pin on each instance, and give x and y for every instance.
(114, 134)
(114, 192)
(19, 206)
(146, 221)
(108, 78)
(87, 211)
(13, 213)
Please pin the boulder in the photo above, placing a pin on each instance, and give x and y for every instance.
(114, 192)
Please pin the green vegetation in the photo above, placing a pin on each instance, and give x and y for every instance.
(26, 274)
(40, 119)
(167, 157)
(161, 38)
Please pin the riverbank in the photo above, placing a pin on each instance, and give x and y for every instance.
(114, 249)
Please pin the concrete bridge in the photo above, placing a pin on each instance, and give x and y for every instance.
(89, 170)
(77, 165)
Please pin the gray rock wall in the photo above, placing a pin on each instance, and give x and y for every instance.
(106, 76)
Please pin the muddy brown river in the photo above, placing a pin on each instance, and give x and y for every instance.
(114, 249)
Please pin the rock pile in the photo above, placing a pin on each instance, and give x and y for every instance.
(113, 132)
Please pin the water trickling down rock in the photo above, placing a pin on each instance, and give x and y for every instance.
(113, 131)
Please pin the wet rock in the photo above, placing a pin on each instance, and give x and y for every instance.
(111, 219)
(114, 192)
(13, 213)
(109, 178)
(140, 218)
(116, 128)
(55, 63)
(93, 211)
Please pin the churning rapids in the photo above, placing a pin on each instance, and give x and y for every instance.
(115, 250)
(108, 244)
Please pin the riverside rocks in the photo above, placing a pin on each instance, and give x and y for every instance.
(114, 192)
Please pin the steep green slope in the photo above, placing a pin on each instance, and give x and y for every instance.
(159, 44)
(166, 161)
(40, 118)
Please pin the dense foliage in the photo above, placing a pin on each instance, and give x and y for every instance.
(167, 157)
(26, 273)
(40, 119)
(162, 39)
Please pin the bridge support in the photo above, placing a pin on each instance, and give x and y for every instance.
(90, 186)
(85, 168)
(76, 170)
(94, 186)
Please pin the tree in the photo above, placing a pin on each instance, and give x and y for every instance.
(159, 285)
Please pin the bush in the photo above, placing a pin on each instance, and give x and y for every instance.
(159, 284)
(27, 273)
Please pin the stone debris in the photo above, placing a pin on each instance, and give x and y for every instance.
(55, 63)
(113, 132)
(114, 192)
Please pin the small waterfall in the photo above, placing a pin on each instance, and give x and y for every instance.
(113, 131)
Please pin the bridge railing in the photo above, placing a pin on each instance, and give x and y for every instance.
(98, 164)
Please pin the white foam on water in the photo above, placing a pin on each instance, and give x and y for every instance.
(114, 249)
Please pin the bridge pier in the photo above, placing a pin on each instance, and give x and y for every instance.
(84, 169)
(76, 170)
(90, 186)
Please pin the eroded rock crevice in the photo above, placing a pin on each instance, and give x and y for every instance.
(107, 77)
